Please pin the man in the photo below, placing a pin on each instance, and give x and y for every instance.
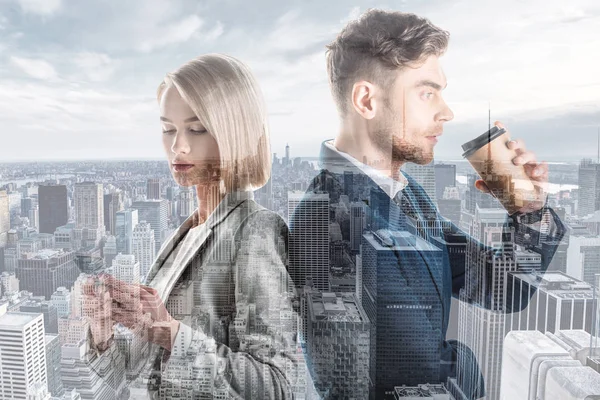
(387, 82)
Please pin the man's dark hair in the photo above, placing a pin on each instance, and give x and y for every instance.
(377, 44)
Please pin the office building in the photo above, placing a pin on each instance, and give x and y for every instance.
(126, 222)
(309, 250)
(143, 246)
(338, 345)
(43, 272)
(23, 354)
(53, 207)
(155, 213)
(401, 353)
(445, 176)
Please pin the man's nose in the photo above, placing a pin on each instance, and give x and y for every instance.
(445, 113)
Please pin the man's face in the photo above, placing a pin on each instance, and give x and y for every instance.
(407, 124)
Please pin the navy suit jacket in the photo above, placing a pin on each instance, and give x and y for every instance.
(418, 289)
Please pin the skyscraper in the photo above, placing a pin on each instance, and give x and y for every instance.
(126, 222)
(55, 386)
(401, 353)
(425, 176)
(357, 224)
(445, 176)
(153, 189)
(4, 218)
(61, 298)
(338, 345)
(309, 251)
(186, 203)
(113, 203)
(482, 315)
(155, 213)
(89, 206)
(26, 204)
(143, 246)
(589, 187)
(558, 302)
(54, 207)
(23, 354)
(583, 257)
(43, 272)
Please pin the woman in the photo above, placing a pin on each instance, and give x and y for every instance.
(238, 339)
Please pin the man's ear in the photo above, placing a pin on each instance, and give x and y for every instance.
(363, 99)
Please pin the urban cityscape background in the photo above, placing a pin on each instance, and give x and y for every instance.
(61, 221)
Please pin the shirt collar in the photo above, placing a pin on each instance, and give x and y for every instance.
(389, 185)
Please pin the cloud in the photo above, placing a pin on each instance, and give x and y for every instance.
(96, 67)
(41, 7)
(36, 68)
(172, 33)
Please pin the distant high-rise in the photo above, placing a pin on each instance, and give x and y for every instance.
(4, 218)
(400, 353)
(445, 176)
(54, 207)
(23, 354)
(55, 386)
(143, 246)
(583, 257)
(425, 176)
(153, 189)
(113, 203)
(287, 154)
(589, 187)
(26, 205)
(338, 345)
(126, 222)
(481, 327)
(109, 251)
(357, 225)
(61, 298)
(45, 271)
(47, 308)
(155, 213)
(558, 302)
(309, 250)
(186, 203)
(89, 205)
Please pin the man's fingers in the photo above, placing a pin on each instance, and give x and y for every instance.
(524, 158)
(480, 185)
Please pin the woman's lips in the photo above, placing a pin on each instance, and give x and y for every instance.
(182, 167)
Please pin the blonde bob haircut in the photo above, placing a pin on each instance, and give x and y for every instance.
(226, 98)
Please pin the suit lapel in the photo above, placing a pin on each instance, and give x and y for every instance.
(336, 165)
(434, 267)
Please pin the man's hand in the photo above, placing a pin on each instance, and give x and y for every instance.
(536, 171)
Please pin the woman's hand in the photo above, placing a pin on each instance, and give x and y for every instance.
(132, 302)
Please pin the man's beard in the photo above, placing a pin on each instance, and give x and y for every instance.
(388, 137)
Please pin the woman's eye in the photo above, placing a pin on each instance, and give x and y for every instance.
(198, 132)
(168, 131)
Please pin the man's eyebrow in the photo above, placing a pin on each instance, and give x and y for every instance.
(191, 119)
(427, 82)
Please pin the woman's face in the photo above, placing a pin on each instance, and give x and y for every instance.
(192, 152)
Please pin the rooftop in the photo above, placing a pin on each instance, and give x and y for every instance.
(12, 320)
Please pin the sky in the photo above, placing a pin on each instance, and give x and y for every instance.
(78, 79)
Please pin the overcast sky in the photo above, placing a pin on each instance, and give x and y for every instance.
(78, 78)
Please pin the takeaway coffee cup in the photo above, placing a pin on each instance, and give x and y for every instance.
(492, 159)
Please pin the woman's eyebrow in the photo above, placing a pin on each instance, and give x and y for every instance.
(191, 119)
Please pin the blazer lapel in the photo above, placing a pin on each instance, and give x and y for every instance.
(164, 275)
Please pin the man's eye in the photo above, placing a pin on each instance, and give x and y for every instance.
(428, 95)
